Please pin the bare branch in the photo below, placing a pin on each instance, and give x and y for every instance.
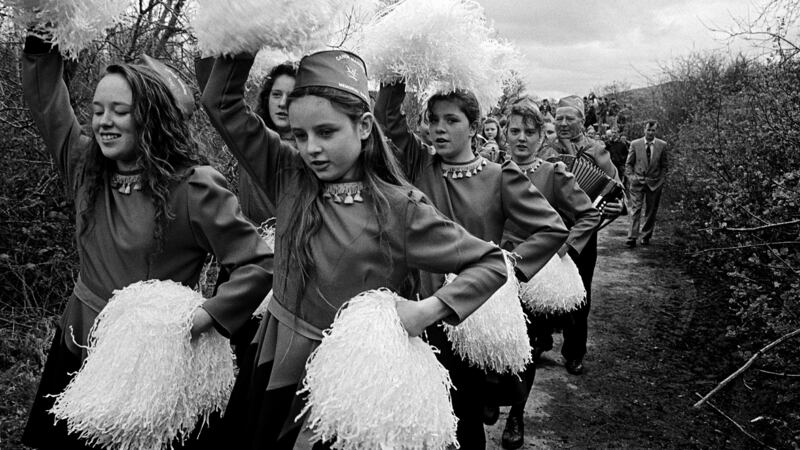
(749, 363)
(736, 424)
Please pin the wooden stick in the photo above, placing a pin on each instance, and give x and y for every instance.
(763, 227)
(778, 374)
(747, 365)
(741, 428)
(745, 246)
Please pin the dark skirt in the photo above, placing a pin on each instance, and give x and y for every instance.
(43, 432)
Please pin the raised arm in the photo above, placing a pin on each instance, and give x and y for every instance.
(258, 149)
(524, 205)
(410, 150)
(436, 244)
(220, 228)
(48, 99)
(573, 203)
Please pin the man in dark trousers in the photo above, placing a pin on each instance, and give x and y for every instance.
(571, 140)
(646, 169)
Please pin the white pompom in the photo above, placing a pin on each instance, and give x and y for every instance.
(495, 336)
(292, 27)
(143, 383)
(440, 45)
(70, 24)
(372, 386)
(267, 232)
(555, 289)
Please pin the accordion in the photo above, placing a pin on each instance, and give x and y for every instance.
(591, 178)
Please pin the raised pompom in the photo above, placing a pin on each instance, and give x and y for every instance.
(143, 383)
(70, 24)
(292, 27)
(450, 46)
(495, 336)
(370, 385)
(557, 288)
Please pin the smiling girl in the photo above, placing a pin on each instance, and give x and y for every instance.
(493, 148)
(479, 195)
(347, 221)
(147, 207)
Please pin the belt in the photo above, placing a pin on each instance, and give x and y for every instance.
(292, 321)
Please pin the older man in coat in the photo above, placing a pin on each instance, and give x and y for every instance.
(646, 169)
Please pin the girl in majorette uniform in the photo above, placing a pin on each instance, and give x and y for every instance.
(479, 195)
(525, 137)
(147, 207)
(347, 222)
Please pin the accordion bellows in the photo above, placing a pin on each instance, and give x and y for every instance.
(590, 178)
(143, 384)
(556, 288)
(370, 385)
(495, 337)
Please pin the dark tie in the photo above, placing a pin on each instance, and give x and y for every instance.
(649, 152)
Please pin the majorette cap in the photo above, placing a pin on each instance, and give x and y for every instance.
(572, 101)
(183, 95)
(337, 69)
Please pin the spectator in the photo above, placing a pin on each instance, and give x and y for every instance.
(646, 168)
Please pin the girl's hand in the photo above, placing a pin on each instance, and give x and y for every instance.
(416, 316)
(201, 322)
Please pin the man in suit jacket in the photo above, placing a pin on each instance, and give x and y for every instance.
(646, 168)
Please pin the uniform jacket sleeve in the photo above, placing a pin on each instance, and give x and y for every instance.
(258, 149)
(220, 228)
(436, 244)
(409, 148)
(573, 203)
(524, 205)
(48, 100)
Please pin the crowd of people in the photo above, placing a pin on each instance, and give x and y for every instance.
(361, 201)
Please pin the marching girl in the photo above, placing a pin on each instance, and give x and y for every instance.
(481, 196)
(571, 140)
(147, 207)
(525, 138)
(347, 221)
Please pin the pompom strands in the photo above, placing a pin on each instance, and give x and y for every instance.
(291, 27)
(267, 232)
(370, 385)
(495, 337)
(144, 384)
(557, 288)
(450, 46)
(70, 24)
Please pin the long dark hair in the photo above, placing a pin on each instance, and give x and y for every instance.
(290, 70)
(379, 166)
(466, 102)
(164, 145)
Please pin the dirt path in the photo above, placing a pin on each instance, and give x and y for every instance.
(640, 378)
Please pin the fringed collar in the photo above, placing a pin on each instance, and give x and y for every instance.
(347, 193)
(127, 181)
(531, 166)
(465, 170)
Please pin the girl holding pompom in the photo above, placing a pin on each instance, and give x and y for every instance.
(481, 196)
(347, 222)
(525, 138)
(148, 206)
(493, 149)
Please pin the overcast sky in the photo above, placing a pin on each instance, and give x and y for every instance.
(572, 46)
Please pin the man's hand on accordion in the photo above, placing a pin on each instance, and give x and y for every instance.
(611, 210)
